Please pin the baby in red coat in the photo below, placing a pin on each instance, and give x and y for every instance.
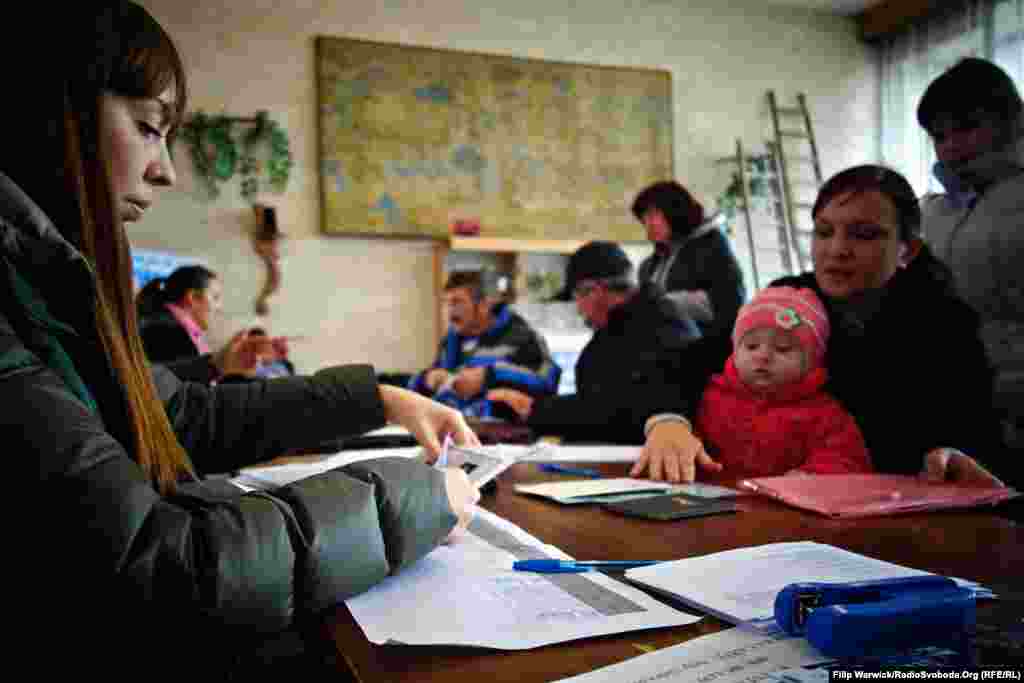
(767, 413)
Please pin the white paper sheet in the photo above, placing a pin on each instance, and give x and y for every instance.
(466, 593)
(737, 655)
(547, 452)
(587, 490)
(740, 585)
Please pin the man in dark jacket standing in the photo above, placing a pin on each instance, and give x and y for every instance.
(639, 336)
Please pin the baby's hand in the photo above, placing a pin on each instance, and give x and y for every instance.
(673, 453)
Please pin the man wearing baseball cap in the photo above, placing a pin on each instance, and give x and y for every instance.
(639, 336)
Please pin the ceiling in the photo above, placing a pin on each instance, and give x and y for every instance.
(844, 7)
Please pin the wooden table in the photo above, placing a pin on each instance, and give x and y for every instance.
(974, 544)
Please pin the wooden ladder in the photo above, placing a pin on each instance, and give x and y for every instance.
(795, 167)
(755, 177)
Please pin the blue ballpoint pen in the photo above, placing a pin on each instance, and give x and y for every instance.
(549, 566)
(562, 469)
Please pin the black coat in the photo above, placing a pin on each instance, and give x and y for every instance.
(641, 344)
(915, 375)
(165, 339)
(168, 343)
(706, 262)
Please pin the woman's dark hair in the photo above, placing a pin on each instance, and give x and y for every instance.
(682, 211)
(886, 181)
(969, 86)
(110, 47)
(173, 288)
(114, 46)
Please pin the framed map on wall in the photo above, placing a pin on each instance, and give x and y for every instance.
(426, 142)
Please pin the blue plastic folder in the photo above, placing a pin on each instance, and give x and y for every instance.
(849, 620)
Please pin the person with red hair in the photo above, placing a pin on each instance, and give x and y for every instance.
(692, 259)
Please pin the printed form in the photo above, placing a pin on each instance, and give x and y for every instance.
(740, 585)
(466, 593)
(737, 655)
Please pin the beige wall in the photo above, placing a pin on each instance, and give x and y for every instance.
(371, 300)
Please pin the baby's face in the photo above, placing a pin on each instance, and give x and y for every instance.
(767, 358)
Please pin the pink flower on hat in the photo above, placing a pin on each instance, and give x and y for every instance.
(787, 318)
(798, 311)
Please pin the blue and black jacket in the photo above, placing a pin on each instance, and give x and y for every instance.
(515, 355)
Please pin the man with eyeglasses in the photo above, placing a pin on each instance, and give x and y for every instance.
(636, 352)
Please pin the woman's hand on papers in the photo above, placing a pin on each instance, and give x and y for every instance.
(462, 496)
(521, 403)
(672, 453)
(428, 420)
(950, 465)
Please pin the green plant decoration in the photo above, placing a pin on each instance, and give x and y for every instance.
(758, 173)
(730, 198)
(542, 286)
(216, 156)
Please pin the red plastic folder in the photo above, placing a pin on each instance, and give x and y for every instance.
(870, 495)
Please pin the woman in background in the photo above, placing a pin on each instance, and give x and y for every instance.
(175, 312)
(129, 556)
(174, 316)
(692, 259)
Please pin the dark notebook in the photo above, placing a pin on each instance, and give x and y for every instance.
(671, 506)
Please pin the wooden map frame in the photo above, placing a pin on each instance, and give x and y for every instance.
(427, 142)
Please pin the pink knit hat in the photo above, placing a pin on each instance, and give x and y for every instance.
(798, 311)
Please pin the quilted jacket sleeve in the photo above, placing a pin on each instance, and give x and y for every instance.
(240, 423)
(209, 554)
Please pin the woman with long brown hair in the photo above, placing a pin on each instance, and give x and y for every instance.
(126, 531)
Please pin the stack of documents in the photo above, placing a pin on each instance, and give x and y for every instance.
(466, 593)
(740, 585)
(490, 460)
(866, 495)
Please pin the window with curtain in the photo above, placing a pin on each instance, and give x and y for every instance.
(910, 60)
